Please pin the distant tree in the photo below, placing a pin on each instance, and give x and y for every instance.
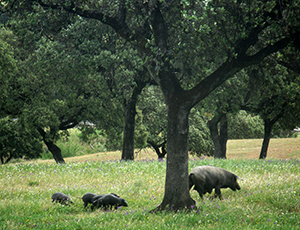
(49, 92)
(17, 140)
(224, 100)
(67, 92)
(267, 90)
(274, 96)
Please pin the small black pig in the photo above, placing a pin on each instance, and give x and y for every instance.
(206, 178)
(109, 201)
(61, 198)
(90, 198)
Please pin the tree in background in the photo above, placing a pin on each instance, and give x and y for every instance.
(273, 95)
(200, 142)
(8, 64)
(224, 100)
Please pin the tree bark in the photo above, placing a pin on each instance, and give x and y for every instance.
(54, 149)
(268, 130)
(219, 140)
(177, 194)
(128, 136)
(267, 136)
(130, 112)
(56, 152)
(223, 136)
(160, 154)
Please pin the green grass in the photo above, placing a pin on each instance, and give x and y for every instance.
(269, 198)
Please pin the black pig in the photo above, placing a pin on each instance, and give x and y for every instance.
(206, 178)
(109, 201)
(90, 198)
(61, 198)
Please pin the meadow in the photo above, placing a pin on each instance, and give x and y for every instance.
(269, 198)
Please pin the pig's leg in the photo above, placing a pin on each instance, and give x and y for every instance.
(218, 193)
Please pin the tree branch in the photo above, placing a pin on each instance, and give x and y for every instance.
(259, 56)
(117, 23)
(160, 30)
(292, 67)
(67, 124)
(230, 67)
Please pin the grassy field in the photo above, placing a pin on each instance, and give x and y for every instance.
(269, 198)
(236, 149)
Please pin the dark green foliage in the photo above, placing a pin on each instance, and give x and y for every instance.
(154, 115)
(248, 126)
(245, 126)
(60, 84)
(91, 135)
(280, 132)
(87, 133)
(17, 140)
(200, 142)
(141, 134)
(8, 63)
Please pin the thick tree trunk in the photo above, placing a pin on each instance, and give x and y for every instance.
(223, 136)
(177, 194)
(130, 112)
(268, 129)
(219, 140)
(54, 149)
(267, 136)
(128, 136)
(56, 152)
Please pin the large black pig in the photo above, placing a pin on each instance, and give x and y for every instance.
(206, 178)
